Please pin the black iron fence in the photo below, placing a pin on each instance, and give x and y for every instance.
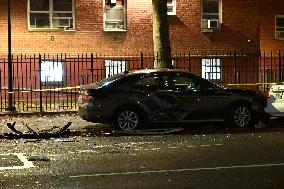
(51, 83)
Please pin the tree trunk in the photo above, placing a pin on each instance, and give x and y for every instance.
(162, 48)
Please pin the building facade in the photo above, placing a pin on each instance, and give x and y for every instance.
(58, 45)
(125, 26)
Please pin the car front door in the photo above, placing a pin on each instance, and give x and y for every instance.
(198, 99)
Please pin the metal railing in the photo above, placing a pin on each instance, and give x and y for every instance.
(51, 83)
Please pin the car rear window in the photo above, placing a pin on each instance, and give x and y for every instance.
(109, 80)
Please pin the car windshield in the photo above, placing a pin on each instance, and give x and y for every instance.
(109, 80)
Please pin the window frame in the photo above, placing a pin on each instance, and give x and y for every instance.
(219, 20)
(173, 4)
(124, 8)
(281, 27)
(51, 18)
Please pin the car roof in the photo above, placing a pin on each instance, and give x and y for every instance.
(143, 71)
(133, 73)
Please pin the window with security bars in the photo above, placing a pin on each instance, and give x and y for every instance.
(114, 15)
(279, 27)
(171, 7)
(113, 67)
(52, 72)
(211, 14)
(211, 69)
(51, 14)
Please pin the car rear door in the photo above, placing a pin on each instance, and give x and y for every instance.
(149, 93)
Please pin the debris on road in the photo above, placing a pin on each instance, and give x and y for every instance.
(64, 140)
(38, 158)
(12, 127)
(33, 141)
(161, 131)
(37, 134)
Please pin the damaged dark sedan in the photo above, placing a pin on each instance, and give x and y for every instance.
(131, 99)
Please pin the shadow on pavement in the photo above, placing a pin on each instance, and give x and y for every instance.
(273, 125)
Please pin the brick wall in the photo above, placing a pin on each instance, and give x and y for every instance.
(236, 30)
(240, 30)
(269, 9)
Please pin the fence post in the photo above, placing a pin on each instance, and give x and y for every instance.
(189, 62)
(10, 66)
(142, 60)
(235, 66)
(280, 69)
(40, 85)
(92, 67)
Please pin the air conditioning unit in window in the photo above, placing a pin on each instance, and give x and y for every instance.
(210, 23)
(114, 14)
(279, 34)
(63, 23)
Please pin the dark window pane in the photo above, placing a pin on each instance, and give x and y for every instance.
(39, 5)
(60, 15)
(279, 22)
(39, 20)
(210, 6)
(280, 29)
(210, 16)
(62, 5)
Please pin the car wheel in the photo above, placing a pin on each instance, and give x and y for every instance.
(241, 115)
(128, 119)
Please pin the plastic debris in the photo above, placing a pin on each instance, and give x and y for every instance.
(40, 133)
(38, 158)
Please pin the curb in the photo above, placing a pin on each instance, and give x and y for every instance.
(15, 113)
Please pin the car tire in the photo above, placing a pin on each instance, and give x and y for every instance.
(127, 119)
(241, 115)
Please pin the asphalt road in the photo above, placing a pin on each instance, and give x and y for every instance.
(203, 156)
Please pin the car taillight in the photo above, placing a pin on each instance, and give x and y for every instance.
(85, 96)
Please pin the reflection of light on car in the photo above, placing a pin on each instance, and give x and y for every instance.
(106, 82)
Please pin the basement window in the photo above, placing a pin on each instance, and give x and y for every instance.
(51, 14)
(171, 7)
(51, 73)
(211, 69)
(211, 15)
(113, 67)
(114, 15)
(279, 27)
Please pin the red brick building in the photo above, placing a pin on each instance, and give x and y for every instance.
(125, 26)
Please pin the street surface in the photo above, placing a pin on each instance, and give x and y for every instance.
(94, 156)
